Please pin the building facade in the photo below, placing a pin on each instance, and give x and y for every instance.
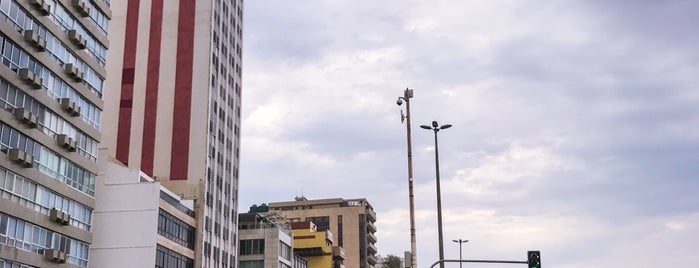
(265, 241)
(317, 247)
(350, 220)
(51, 91)
(177, 68)
(153, 227)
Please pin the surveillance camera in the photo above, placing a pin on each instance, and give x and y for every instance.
(399, 102)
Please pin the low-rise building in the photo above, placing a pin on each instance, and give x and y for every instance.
(350, 220)
(265, 241)
(316, 246)
(139, 222)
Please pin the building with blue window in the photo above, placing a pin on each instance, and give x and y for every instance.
(51, 87)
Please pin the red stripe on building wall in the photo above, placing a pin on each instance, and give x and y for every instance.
(152, 80)
(304, 237)
(127, 80)
(183, 91)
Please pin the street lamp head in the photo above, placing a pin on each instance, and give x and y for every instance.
(399, 101)
(445, 126)
(434, 124)
(425, 127)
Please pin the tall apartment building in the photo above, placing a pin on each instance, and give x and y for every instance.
(175, 113)
(51, 91)
(350, 220)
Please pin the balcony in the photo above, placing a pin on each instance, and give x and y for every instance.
(309, 252)
(371, 215)
(371, 238)
(371, 249)
(371, 227)
(338, 252)
(371, 259)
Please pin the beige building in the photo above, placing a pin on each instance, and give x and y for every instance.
(350, 220)
(51, 92)
(265, 241)
(175, 108)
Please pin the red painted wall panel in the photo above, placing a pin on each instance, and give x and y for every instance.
(183, 91)
(127, 80)
(152, 80)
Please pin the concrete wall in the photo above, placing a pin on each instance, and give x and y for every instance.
(125, 219)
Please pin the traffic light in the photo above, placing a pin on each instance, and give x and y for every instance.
(534, 259)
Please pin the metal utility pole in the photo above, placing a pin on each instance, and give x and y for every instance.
(460, 241)
(436, 128)
(407, 95)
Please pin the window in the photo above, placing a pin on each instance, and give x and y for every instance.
(252, 247)
(29, 237)
(11, 264)
(165, 257)
(323, 223)
(284, 250)
(51, 163)
(28, 193)
(252, 264)
(339, 230)
(175, 229)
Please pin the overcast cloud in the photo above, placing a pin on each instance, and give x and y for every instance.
(575, 123)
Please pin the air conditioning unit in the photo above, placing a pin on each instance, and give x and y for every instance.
(30, 78)
(82, 7)
(59, 216)
(42, 6)
(52, 255)
(56, 215)
(26, 117)
(70, 106)
(62, 256)
(74, 72)
(36, 40)
(66, 142)
(77, 39)
(65, 220)
(20, 157)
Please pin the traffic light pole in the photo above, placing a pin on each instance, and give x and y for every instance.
(479, 261)
(533, 260)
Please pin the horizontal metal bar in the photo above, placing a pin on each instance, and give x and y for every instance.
(479, 261)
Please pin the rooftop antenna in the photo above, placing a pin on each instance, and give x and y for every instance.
(302, 197)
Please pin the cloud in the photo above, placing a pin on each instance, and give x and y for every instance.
(575, 123)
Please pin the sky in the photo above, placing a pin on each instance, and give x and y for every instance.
(575, 123)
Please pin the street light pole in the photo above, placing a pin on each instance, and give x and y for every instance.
(460, 241)
(407, 95)
(436, 128)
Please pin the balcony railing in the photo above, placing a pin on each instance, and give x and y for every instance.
(371, 227)
(174, 202)
(371, 259)
(338, 252)
(371, 237)
(371, 215)
(371, 249)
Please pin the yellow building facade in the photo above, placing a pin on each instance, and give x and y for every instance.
(316, 246)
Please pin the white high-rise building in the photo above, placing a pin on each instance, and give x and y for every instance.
(174, 108)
